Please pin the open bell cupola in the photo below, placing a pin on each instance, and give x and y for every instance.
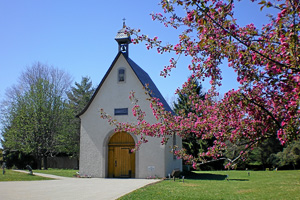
(123, 39)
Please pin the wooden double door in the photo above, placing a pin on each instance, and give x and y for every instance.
(121, 161)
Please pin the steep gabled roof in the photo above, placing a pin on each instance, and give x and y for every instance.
(146, 80)
(142, 76)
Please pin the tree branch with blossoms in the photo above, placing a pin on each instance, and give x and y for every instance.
(265, 59)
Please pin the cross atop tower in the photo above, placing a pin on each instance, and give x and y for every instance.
(124, 22)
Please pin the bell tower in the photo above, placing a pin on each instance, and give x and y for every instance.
(123, 39)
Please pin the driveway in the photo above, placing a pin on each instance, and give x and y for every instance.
(70, 188)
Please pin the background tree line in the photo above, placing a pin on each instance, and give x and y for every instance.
(38, 116)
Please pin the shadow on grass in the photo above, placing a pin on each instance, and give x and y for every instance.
(208, 176)
(204, 176)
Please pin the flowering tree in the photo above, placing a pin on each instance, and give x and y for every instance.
(265, 59)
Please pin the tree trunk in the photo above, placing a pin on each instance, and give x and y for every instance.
(45, 163)
(39, 162)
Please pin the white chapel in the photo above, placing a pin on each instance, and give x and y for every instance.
(106, 153)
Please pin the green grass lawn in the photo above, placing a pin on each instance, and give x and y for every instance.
(58, 172)
(214, 185)
(11, 175)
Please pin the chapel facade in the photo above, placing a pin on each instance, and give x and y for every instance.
(106, 153)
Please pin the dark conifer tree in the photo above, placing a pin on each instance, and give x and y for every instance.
(194, 145)
(78, 96)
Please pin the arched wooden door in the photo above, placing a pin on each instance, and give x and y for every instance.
(121, 161)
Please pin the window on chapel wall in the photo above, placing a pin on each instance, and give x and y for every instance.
(121, 75)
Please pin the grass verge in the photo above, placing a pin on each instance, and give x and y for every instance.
(58, 172)
(11, 175)
(225, 185)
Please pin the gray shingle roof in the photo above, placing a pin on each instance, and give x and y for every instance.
(146, 80)
(121, 34)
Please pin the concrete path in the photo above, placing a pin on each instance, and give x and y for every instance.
(70, 188)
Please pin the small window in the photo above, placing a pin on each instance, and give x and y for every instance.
(121, 111)
(121, 75)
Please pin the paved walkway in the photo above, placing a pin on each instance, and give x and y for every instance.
(63, 188)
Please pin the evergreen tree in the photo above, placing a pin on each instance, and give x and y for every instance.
(183, 106)
(78, 97)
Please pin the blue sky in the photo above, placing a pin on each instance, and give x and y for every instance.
(78, 37)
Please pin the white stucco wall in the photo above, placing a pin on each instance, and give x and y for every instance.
(171, 162)
(152, 158)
